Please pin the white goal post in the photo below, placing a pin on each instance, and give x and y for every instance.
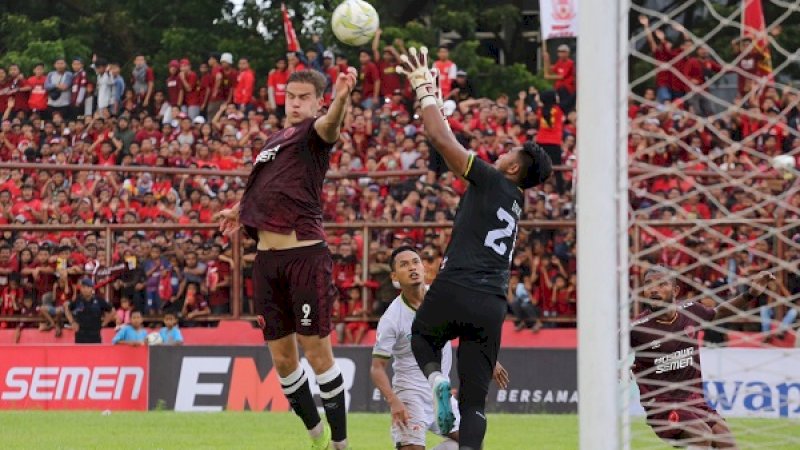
(602, 198)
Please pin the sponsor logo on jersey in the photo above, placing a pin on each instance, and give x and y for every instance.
(268, 154)
(680, 359)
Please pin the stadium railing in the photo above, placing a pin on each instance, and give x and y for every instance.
(779, 222)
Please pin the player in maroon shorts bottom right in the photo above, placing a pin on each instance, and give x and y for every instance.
(667, 361)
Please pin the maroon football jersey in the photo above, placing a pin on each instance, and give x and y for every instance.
(667, 363)
(284, 191)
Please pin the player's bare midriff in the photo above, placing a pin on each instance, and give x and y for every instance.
(270, 240)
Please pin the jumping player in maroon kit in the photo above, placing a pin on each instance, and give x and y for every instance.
(667, 363)
(292, 274)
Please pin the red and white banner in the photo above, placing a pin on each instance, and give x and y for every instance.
(291, 38)
(559, 18)
(73, 377)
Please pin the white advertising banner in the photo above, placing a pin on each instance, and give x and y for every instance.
(559, 18)
(748, 382)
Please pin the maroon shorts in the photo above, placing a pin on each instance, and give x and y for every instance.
(667, 416)
(294, 291)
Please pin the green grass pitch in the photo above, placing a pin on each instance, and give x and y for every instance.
(281, 431)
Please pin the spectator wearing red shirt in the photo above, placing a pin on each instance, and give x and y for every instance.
(331, 72)
(563, 72)
(37, 99)
(748, 66)
(28, 207)
(662, 52)
(18, 89)
(369, 80)
(276, 86)
(447, 70)
(698, 70)
(79, 83)
(5, 89)
(218, 281)
(216, 96)
(148, 132)
(191, 91)
(174, 88)
(10, 297)
(390, 79)
(551, 132)
(245, 83)
(294, 62)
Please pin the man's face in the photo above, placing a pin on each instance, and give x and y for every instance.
(139, 61)
(38, 70)
(659, 291)
(507, 160)
(203, 69)
(27, 193)
(408, 269)
(77, 66)
(281, 65)
(443, 54)
(363, 58)
(243, 64)
(13, 71)
(301, 102)
(87, 291)
(60, 65)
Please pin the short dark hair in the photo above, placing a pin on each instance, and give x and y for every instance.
(660, 270)
(397, 251)
(311, 77)
(535, 166)
(170, 313)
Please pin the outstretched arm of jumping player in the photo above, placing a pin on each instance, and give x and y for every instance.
(415, 67)
(328, 126)
(737, 304)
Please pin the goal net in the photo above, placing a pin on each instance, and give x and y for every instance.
(713, 197)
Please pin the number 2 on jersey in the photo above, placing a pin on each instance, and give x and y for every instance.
(494, 237)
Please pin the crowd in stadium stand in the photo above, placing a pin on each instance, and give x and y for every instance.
(218, 114)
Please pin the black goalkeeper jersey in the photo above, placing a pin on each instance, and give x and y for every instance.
(485, 231)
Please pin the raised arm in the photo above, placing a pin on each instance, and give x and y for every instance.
(651, 41)
(328, 126)
(376, 40)
(415, 67)
(736, 305)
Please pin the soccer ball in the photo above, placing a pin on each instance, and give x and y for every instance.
(354, 22)
(154, 339)
(783, 163)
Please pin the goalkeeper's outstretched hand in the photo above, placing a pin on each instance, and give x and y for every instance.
(415, 67)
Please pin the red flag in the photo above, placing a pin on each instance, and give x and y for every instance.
(754, 26)
(291, 39)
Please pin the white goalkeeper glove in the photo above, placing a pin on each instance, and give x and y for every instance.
(422, 80)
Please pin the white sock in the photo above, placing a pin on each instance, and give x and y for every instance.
(434, 378)
(316, 431)
(447, 444)
(340, 445)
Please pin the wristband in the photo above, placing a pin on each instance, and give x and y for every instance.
(428, 100)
